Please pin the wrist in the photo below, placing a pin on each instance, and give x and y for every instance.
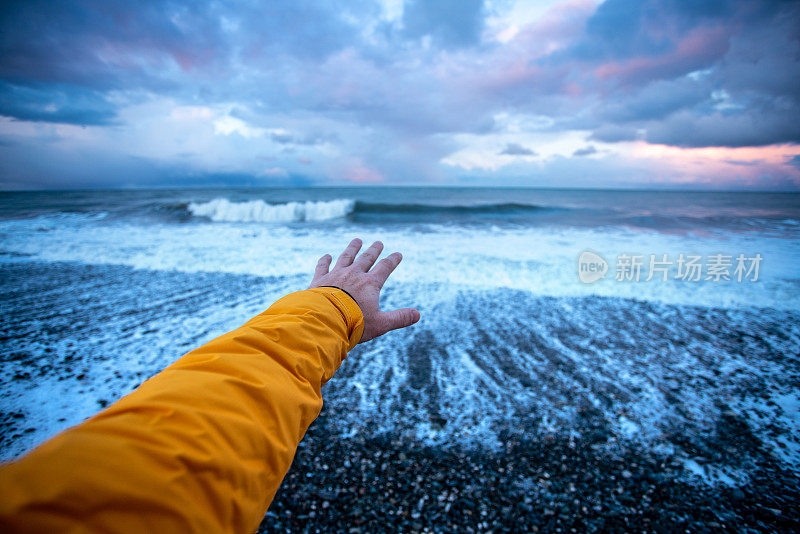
(351, 310)
(346, 292)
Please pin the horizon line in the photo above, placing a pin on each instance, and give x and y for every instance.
(661, 189)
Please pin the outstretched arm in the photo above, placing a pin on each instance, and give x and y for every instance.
(204, 445)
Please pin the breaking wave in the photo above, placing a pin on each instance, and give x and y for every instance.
(223, 210)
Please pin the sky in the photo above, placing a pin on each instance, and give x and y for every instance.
(555, 93)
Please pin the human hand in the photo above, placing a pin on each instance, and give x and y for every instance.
(363, 282)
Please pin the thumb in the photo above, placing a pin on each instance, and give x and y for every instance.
(392, 320)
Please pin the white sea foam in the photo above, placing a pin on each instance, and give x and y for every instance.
(540, 260)
(223, 210)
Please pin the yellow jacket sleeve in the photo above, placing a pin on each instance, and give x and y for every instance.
(201, 447)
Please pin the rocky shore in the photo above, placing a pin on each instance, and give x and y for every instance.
(710, 393)
(536, 483)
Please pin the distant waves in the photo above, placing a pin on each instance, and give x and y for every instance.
(223, 210)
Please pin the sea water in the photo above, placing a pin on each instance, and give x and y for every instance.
(101, 290)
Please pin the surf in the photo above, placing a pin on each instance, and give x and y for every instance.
(223, 210)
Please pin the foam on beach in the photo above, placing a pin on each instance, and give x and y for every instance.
(539, 260)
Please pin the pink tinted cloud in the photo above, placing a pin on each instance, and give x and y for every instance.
(697, 49)
(766, 166)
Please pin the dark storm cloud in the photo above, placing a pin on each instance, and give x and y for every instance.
(749, 98)
(749, 128)
(627, 28)
(111, 41)
(639, 66)
(689, 74)
(100, 44)
(176, 48)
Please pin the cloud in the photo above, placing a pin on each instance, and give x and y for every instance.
(111, 42)
(585, 151)
(283, 137)
(696, 50)
(613, 133)
(624, 29)
(60, 103)
(749, 128)
(405, 91)
(228, 125)
(452, 23)
(653, 101)
(515, 149)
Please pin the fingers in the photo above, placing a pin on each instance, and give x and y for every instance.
(368, 257)
(346, 259)
(392, 320)
(323, 265)
(386, 266)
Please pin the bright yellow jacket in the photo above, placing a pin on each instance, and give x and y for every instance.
(200, 447)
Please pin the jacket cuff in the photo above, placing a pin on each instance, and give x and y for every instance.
(346, 304)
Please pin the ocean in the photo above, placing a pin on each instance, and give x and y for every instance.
(100, 290)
